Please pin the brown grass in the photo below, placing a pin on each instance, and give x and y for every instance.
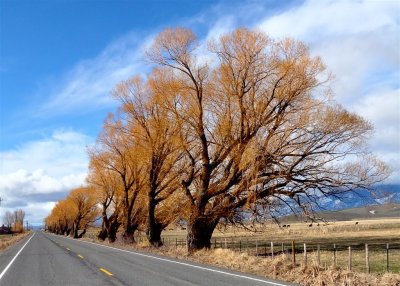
(342, 233)
(8, 239)
(280, 267)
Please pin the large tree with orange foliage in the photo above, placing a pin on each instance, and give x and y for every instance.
(257, 126)
(84, 207)
(109, 195)
(158, 143)
(118, 153)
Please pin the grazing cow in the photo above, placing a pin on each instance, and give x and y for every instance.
(284, 225)
(356, 222)
(288, 225)
(310, 225)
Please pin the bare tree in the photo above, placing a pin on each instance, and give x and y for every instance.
(9, 219)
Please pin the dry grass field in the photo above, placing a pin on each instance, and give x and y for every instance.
(7, 239)
(341, 232)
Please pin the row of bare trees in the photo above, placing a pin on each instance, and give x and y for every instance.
(15, 220)
(247, 127)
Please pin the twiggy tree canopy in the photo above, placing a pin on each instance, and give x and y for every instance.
(258, 126)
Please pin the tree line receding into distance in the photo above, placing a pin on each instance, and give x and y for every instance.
(241, 127)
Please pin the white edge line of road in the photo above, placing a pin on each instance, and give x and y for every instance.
(183, 263)
(16, 255)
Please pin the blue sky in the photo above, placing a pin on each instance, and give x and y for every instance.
(60, 59)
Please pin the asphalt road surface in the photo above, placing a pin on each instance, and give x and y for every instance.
(47, 259)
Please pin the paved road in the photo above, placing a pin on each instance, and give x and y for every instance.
(46, 259)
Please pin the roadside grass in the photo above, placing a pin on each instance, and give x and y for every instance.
(280, 267)
(344, 233)
(7, 240)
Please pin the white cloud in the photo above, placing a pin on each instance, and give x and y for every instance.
(63, 151)
(36, 212)
(382, 109)
(87, 85)
(36, 174)
(356, 39)
(359, 42)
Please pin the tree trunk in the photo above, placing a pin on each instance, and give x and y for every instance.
(82, 233)
(129, 232)
(103, 234)
(200, 230)
(76, 229)
(154, 234)
(113, 229)
(154, 229)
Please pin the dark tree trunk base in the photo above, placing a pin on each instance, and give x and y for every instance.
(82, 233)
(128, 236)
(200, 231)
(103, 234)
(154, 234)
(112, 232)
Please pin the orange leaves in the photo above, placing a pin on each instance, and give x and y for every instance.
(173, 45)
(80, 203)
(204, 141)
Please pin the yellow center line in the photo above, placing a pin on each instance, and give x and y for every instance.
(80, 256)
(106, 271)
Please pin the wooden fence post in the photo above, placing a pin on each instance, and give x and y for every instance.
(240, 245)
(367, 258)
(293, 253)
(257, 247)
(215, 243)
(265, 249)
(305, 254)
(349, 258)
(225, 244)
(387, 257)
(283, 248)
(318, 255)
(334, 255)
(272, 249)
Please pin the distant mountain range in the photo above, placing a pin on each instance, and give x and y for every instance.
(382, 202)
(381, 195)
(368, 212)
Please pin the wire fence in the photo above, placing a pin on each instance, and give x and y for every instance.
(372, 257)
